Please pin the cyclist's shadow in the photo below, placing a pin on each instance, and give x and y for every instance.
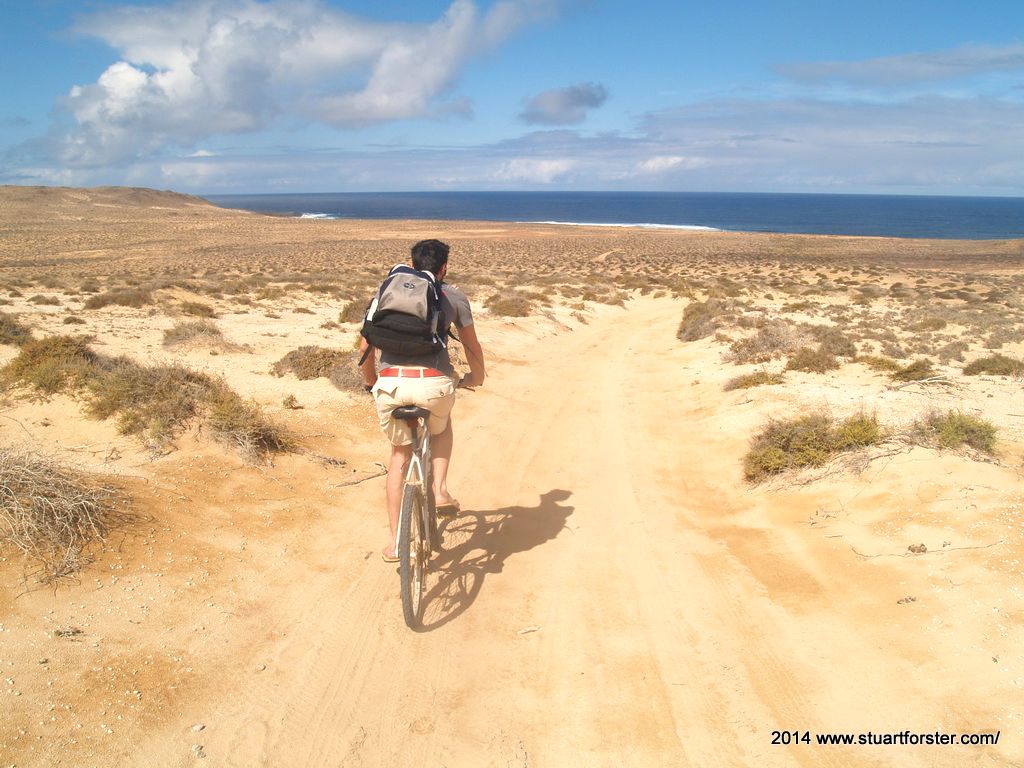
(478, 542)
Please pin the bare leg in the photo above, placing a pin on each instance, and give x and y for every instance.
(400, 455)
(440, 455)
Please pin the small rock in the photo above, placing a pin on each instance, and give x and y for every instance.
(907, 599)
(198, 727)
(197, 750)
(261, 667)
(917, 549)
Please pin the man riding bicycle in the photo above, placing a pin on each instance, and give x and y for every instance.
(426, 380)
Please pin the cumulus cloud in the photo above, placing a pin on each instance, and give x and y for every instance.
(564, 106)
(534, 170)
(905, 69)
(199, 68)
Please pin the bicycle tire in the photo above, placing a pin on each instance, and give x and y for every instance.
(412, 555)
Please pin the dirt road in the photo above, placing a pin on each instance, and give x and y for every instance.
(611, 595)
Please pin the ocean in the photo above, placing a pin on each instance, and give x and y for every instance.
(968, 218)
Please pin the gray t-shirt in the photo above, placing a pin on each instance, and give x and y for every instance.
(454, 310)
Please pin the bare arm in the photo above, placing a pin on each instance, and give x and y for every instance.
(368, 368)
(475, 353)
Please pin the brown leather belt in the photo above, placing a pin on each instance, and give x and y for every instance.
(410, 373)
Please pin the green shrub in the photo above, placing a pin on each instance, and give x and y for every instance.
(996, 365)
(806, 441)
(812, 361)
(756, 379)
(955, 428)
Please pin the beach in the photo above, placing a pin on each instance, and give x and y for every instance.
(629, 582)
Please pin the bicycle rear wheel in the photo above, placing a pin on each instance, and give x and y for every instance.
(412, 554)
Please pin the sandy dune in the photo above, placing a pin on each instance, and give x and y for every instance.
(613, 593)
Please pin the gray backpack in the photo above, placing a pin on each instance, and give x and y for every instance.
(403, 317)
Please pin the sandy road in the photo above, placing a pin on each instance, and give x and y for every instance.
(586, 610)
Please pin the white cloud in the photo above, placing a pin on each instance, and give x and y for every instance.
(564, 106)
(909, 68)
(533, 170)
(664, 163)
(199, 68)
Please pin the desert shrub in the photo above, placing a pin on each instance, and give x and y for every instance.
(806, 441)
(915, 371)
(1001, 336)
(812, 361)
(876, 363)
(832, 341)
(51, 514)
(13, 331)
(52, 301)
(510, 304)
(197, 309)
(270, 292)
(352, 312)
(955, 428)
(124, 297)
(929, 324)
(303, 311)
(756, 379)
(773, 340)
(797, 306)
(53, 364)
(192, 331)
(954, 350)
(702, 318)
(310, 362)
(89, 285)
(72, 320)
(346, 375)
(996, 365)
(243, 425)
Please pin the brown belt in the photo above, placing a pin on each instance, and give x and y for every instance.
(410, 373)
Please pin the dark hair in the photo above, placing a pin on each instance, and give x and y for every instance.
(430, 255)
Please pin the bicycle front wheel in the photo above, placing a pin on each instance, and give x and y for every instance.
(412, 554)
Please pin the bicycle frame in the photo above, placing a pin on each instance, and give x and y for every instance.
(418, 474)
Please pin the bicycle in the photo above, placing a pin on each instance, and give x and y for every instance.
(417, 537)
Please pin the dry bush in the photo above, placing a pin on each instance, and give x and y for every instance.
(243, 425)
(303, 311)
(51, 301)
(954, 350)
(915, 371)
(756, 379)
(310, 362)
(881, 364)
(73, 320)
(702, 318)
(812, 361)
(352, 312)
(52, 515)
(13, 331)
(202, 332)
(996, 365)
(953, 429)
(123, 297)
(929, 324)
(346, 375)
(775, 339)
(807, 441)
(832, 340)
(53, 364)
(197, 309)
(510, 304)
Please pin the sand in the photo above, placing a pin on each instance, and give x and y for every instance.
(614, 593)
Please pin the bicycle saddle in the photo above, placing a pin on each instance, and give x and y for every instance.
(410, 413)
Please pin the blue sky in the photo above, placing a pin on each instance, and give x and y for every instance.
(213, 96)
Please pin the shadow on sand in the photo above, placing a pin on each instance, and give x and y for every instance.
(478, 542)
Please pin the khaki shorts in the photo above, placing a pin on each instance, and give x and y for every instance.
(435, 393)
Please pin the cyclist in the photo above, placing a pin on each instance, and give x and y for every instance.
(427, 381)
